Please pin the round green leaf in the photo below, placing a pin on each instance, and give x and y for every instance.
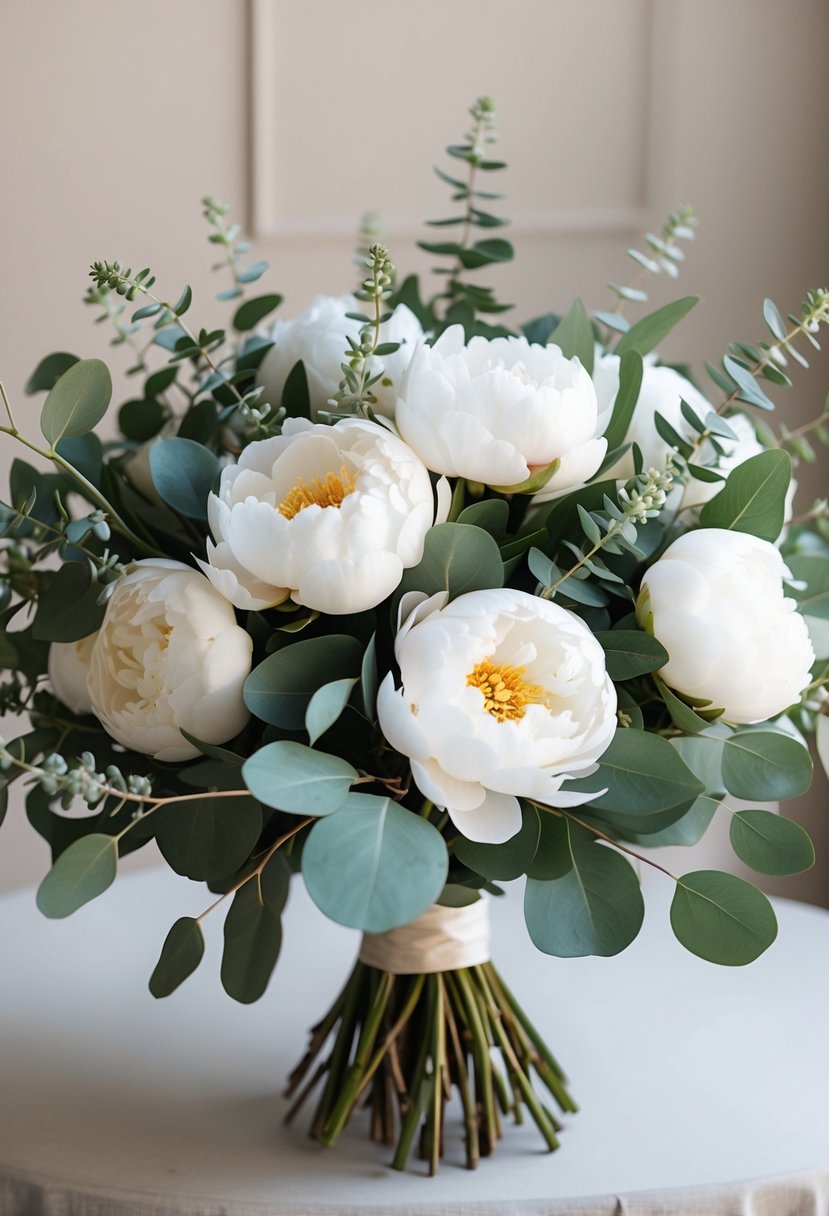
(208, 838)
(771, 844)
(83, 871)
(292, 777)
(326, 705)
(722, 918)
(648, 784)
(630, 653)
(183, 473)
(250, 313)
(253, 932)
(596, 907)
(456, 558)
(48, 372)
(374, 865)
(68, 609)
(765, 765)
(78, 401)
(181, 954)
(279, 689)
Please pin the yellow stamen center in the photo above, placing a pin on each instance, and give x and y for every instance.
(328, 492)
(505, 692)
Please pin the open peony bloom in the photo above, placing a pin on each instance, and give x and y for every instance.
(663, 391)
(168, 657)
(318, 338)
(504, 695)
(68, 670)
(328, 515)
(498, 411)
(715, 601)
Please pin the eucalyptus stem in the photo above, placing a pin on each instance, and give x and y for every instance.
(88, 489)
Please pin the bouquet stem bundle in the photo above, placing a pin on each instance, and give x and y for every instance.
(401, 1044)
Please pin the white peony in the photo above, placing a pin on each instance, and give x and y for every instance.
(328, 515)
(497, 411)
(503, 695)
(662, 391)
(68, 669)
(318, 338)
(715, 601)
(168, 657)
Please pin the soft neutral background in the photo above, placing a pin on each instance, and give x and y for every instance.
(118, 117)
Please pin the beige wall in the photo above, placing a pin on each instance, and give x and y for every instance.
(117, 117)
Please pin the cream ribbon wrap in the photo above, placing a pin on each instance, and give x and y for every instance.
(441, 939)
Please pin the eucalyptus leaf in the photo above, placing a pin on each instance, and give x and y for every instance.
(292, 777)
(771, 844)
(279, 690)
(83, 871)
(326, 705)
(210, 837)
(48, 371)
(505, 861)
(595, 908)
(374, 865)
(648, 786)
(722, 918)
(753, 498)
(78, 401)
(456, 558)
(253, 932)
(646, 334)
(68, 608)
(181, 954)
(574, 335)
(183, 472)
(249, 314)
(631, 652)
(765, 765)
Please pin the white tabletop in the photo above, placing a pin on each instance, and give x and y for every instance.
(689, 1075)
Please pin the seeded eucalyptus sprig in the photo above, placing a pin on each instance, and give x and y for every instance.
(354, 393)
(199, 348)
(461, 301)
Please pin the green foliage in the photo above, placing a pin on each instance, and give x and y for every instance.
(771, 844)
(374, 865)
(506, 861)
(648, 785)
(77, 402)
(280, 689)
(574, 334)
(48, 371)
(209, 837)
(298, 779)
(765, 765)
(722, 918)
(253, 932)
(183, 473)
(647, 334)
(456, 558)
(69, 609)
(181, 954)
(461, 300)
(595, 907)
(753, 498)
(83, 871)
(631, 652)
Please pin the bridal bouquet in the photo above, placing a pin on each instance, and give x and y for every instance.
(412, 599)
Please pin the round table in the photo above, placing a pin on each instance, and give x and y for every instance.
(703, 1089)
